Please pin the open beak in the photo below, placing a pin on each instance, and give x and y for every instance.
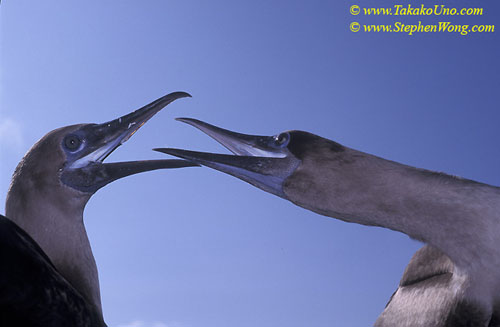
(87, 172)
(263, 161)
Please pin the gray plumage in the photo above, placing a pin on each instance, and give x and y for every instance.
(32, 292)
(431, 293)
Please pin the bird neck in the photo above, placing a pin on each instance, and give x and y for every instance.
(57, 226)
(460, 217)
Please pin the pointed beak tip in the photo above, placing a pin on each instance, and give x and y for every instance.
(175, 96)
(182, 94)
(192, 122)
(162, 150)
(176, 153)
(185, 120)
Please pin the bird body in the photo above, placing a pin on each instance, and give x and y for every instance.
(458, 218)
(32, 291)
(431, 293)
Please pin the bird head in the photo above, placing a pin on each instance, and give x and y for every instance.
(70, 160)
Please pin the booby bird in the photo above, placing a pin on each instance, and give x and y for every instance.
(459, 219)
(56, 178)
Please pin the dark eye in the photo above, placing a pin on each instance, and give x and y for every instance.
(282, 139)
(72, 142)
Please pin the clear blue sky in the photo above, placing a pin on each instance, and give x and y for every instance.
(195, 247)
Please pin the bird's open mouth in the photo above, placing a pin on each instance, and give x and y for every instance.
(108, 136)
(87, 147)
(263, 161)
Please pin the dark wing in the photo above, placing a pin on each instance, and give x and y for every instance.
(32, 292)
(430, 294)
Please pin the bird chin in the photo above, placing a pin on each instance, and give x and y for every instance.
(86, 179)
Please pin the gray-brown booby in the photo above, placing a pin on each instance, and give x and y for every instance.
(459, 219)
(56, 178)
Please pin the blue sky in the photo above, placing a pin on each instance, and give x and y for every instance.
(194, 247)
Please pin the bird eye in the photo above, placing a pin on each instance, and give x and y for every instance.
(282, 139)
(72, 142)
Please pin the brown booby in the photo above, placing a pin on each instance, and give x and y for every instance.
(452, 281)
(55, 180)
